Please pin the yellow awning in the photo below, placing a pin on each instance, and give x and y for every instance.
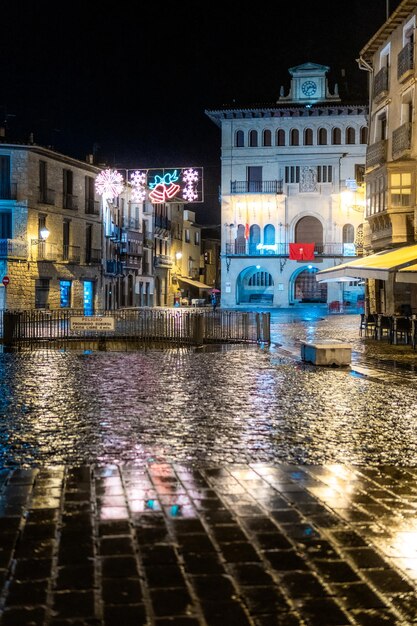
(193, 283)
(407, 274)
(379, 265)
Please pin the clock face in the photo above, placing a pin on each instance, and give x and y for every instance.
(309, 88)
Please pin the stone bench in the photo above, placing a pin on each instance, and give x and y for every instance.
(330, 352)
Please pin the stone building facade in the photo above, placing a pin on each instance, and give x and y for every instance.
(292, 194)
(50, 230)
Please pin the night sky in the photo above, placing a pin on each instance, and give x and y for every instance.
(133, 88)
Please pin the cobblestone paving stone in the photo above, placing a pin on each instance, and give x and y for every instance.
(161, 544)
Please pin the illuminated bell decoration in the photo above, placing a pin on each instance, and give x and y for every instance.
(109, 183)
(164, 187)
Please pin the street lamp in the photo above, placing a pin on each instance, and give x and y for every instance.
(43, 236)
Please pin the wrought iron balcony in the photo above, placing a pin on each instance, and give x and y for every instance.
(114, 267)
(70, 202)
(92, 207)
(71, 254)
(163, 261)
(401, 140)
(256, 186)
(405, 62)
(376, 154)
(283, 249)
(381, 83)
(46, 251)
(8, 192)
(93, 256)
(46, 196)
(13, 248)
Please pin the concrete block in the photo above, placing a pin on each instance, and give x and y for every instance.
(331, 352)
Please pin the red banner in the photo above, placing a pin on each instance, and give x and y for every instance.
(302, 251)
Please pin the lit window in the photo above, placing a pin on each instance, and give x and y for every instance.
(401, 189)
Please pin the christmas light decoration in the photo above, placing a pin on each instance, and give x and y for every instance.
(109, 183)
(164, 187)
(191, 178)
(138, 183)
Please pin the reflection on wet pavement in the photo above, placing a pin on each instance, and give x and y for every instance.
(234, 405)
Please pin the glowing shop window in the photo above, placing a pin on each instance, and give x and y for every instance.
(65, 292)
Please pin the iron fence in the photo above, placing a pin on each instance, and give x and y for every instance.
(57, 328)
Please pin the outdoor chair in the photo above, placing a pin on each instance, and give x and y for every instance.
(367, 325)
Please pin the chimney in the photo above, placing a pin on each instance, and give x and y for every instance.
(31, 139)
(90, 159)
(2, 131)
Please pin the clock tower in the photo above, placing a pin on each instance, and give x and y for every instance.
(309, 85)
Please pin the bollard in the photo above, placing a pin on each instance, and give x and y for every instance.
(198, 329)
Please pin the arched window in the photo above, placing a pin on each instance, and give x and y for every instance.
(269, 235)
(261, 279)
(336, 136)
(267, 138)
(364, 135)
(350, 135)
(308, 137)
(348, 233)
(239, 139)
(294, 137)
(254, 238)
(322, 137)
(309, 230)
(253, 138)
(280, 137)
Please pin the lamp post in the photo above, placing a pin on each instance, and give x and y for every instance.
(43, 236)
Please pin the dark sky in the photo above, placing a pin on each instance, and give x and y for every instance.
(86, 77)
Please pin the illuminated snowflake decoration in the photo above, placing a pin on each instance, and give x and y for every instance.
(191, 178)
(138, 182)
(109, 184)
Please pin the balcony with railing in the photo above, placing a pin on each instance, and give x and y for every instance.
(46, 196)
(45, 251)
(283, 249)
(376, 154)
(130, 262)
(70, 202)
(92, 207)
(114, 267)
(380, 83)
(256, 186)
(131, 223)
(162, 222)
(401, 140)
(405, 62)
(163, 261)
(8, 192)
(93, 256)
(13, 248)
(71, 254)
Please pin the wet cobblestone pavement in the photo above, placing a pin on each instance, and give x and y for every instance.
(233, 487)
(167, 544)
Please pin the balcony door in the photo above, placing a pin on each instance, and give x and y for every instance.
(254, 179)
(4, 177)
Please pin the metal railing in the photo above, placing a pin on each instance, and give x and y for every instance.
(71, 254)
(256, 186)
(13, 248)
(376, 154)
(283, 249)
(142, 326)
(401, 140)
(405, 61)
(381, 82)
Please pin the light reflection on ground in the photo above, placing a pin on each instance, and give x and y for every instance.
(233, 405)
